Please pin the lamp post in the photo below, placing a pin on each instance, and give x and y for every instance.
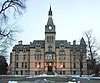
(38, 68)
(61, 66)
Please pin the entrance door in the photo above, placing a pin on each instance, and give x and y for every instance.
(49, 68)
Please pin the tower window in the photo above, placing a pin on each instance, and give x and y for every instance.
(50, 48)
(49, 57)
(16, 56)
(50, 39)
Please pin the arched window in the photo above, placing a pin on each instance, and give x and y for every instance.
(50, 39)
(50, 48)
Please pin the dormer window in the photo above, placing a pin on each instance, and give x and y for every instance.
(24, 49)
(17, 49)
(61, 47)
(38, 47)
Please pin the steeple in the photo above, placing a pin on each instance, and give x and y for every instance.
(50, 20)
(50, 12)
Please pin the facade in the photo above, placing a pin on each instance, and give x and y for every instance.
(49, 56)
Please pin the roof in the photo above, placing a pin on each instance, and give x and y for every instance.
(21, 47)
(58, 42)
(42, 43)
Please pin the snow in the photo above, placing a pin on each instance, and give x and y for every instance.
(12, 82)
(71, 82)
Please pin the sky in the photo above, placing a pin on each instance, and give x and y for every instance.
(71, 17)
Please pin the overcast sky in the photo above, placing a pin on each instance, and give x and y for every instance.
(71, 17)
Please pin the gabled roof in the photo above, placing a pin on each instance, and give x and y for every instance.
(58, 42)
(21, 47)
(42, 43)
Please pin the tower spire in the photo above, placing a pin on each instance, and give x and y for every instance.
(50, 12)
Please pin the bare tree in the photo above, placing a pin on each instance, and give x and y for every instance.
(92, 47)
(8, 31)
(7, 36)
(14, 6)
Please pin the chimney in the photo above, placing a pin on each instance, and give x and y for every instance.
(70, 43)
(74, 42)
(20, 42)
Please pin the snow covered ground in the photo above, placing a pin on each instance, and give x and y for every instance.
(37, 82)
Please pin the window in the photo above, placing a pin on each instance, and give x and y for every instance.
(49, 57)
(47, 39)
(61, 47)
(21, 72)
(63, 64)
(24, 50)
(74, 65)
(53, 39)
(50, 48)
(74, 59)
(37, 64)
(16, 72)
(25, 64)
(62, 55)
(81, 65)
(74, 72)
(17, 65)
(82, 72)
(38, 56)
(16, 56)
(26, 72)
(17, 50)
(63, 72)
(38, 47)
(24, 57)
(36, 72)
(50, 39)
(22, 64)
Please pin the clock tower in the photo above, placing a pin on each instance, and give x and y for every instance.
(50, 34)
